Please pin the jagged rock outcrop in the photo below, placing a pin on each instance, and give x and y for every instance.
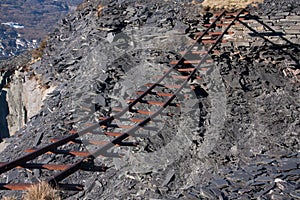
(22, 96)
(25, 97)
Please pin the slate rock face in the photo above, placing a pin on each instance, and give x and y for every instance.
(244, 139)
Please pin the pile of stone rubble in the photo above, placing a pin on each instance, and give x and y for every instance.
(244, 143)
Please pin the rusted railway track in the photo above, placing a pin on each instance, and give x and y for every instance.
(187, 70)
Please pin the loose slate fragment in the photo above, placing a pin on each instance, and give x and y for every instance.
(221, 183)
(263, 179)
(288, 166)
(293, 172)
(38, 138)
(12, 175)
(170, 176)
(207, 193)
(295, 195)
(264, 191)
(216, 192)
(100, 100)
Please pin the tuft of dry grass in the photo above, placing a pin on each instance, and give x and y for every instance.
(8, 198)
(38, 52)
(99, 10)
(41, 191)
(230, 5)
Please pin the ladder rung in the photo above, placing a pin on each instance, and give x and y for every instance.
(175, 62)
(161, 94)
(26, 186)
(190, 69)
(122, 119)
(115, 134)
(66, 152)
(200, 52)
(212, 41)
(229, 19)
(83, 141)
(116, 126)
(220, 25)
(158, 103)
(87, 166)
(166, 86)
(213, 33)
(147, 102)
(144, 112)
(180, 77)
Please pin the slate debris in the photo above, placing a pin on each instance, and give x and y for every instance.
(261, 185)
(169, 177)
(256, 154)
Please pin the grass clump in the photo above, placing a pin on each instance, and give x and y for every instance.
(38, 52)
(230, 5)
(8, 198)
(41, 191)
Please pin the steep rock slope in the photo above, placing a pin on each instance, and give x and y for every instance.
(244, 142)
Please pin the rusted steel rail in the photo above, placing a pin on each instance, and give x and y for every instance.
(224, 20)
